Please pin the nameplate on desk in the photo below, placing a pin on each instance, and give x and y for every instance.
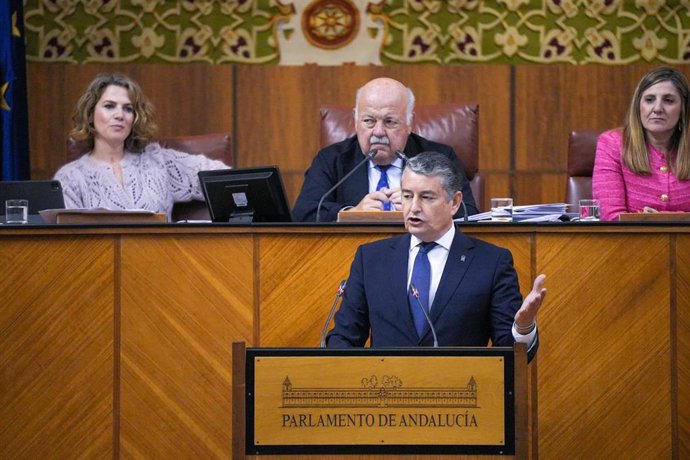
(371, 216)
(102, 216)
(654, 217)
(360, 403)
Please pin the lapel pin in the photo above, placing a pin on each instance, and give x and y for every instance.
(462, 258)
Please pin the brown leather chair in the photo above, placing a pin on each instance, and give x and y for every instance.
(456, 125)
(216, 146)
(582, 147)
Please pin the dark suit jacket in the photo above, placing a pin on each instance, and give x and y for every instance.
(333, 162)
(476, 300)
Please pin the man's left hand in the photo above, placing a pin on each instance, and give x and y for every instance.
(527, 314)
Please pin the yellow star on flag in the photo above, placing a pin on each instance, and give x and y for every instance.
(3, 102)
(15, 29)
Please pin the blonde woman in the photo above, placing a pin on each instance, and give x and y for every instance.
(646, 164)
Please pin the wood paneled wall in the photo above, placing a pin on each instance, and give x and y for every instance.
(127, 353)
(56, 364)
(526, 112)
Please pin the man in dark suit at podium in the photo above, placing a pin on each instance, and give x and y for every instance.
(383, 115)
(434, 285)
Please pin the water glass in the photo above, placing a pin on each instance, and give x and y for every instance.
(589, 210)
(502, 209)
(16, 211)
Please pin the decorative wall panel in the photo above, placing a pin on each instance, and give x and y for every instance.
(386, 31)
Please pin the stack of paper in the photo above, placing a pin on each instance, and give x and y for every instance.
(539, 212)
(547, 212)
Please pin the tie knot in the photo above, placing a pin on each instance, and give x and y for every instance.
(383, 168)
(426, 247)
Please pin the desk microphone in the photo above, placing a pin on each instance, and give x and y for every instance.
(368, 157)
(466, 218)
(404, 158)
(339, 293)
(415, 293)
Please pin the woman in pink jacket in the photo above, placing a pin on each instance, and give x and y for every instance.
(646, 164)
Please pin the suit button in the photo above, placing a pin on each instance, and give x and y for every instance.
(663, 169)
(664, 197)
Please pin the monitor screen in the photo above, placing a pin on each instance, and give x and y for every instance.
(245, 195)
(41, 194)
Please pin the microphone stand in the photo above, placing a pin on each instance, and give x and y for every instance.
(338, 295)
(368, 157)
(415, 294)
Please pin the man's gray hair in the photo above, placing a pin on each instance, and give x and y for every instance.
(409, 110)
(436, 164)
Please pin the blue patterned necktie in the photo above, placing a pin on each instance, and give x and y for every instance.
(421, 279)
(383, 183)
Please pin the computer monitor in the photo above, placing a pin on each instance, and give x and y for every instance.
(41, 194)
(245, 195)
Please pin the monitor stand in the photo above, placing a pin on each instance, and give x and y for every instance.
(241, 217)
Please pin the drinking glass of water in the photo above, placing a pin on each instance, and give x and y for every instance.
(502, 209)
(16, 211)
(589, 210)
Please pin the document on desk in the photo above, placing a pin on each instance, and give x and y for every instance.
(544, 212)
(102, 216)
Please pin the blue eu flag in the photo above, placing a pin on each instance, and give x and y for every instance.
(14, 135)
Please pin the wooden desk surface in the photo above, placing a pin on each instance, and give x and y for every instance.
(117, 340)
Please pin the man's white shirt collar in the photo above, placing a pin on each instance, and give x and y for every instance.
(445, 241)
(398, 163)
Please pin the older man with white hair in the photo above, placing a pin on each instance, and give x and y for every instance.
(383, 115)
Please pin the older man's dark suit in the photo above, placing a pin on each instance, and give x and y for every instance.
(476, 300)
(335, 161)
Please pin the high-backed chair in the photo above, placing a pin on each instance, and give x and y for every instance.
(216, 146)
(582, 147)
(456, 125)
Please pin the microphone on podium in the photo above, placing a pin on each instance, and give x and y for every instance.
(404, 158)
(339, 293)
(367, 157)
(466, 218)
(415, 293)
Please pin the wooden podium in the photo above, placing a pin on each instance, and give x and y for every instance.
(383, 403)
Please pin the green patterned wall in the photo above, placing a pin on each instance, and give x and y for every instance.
(409, 31)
